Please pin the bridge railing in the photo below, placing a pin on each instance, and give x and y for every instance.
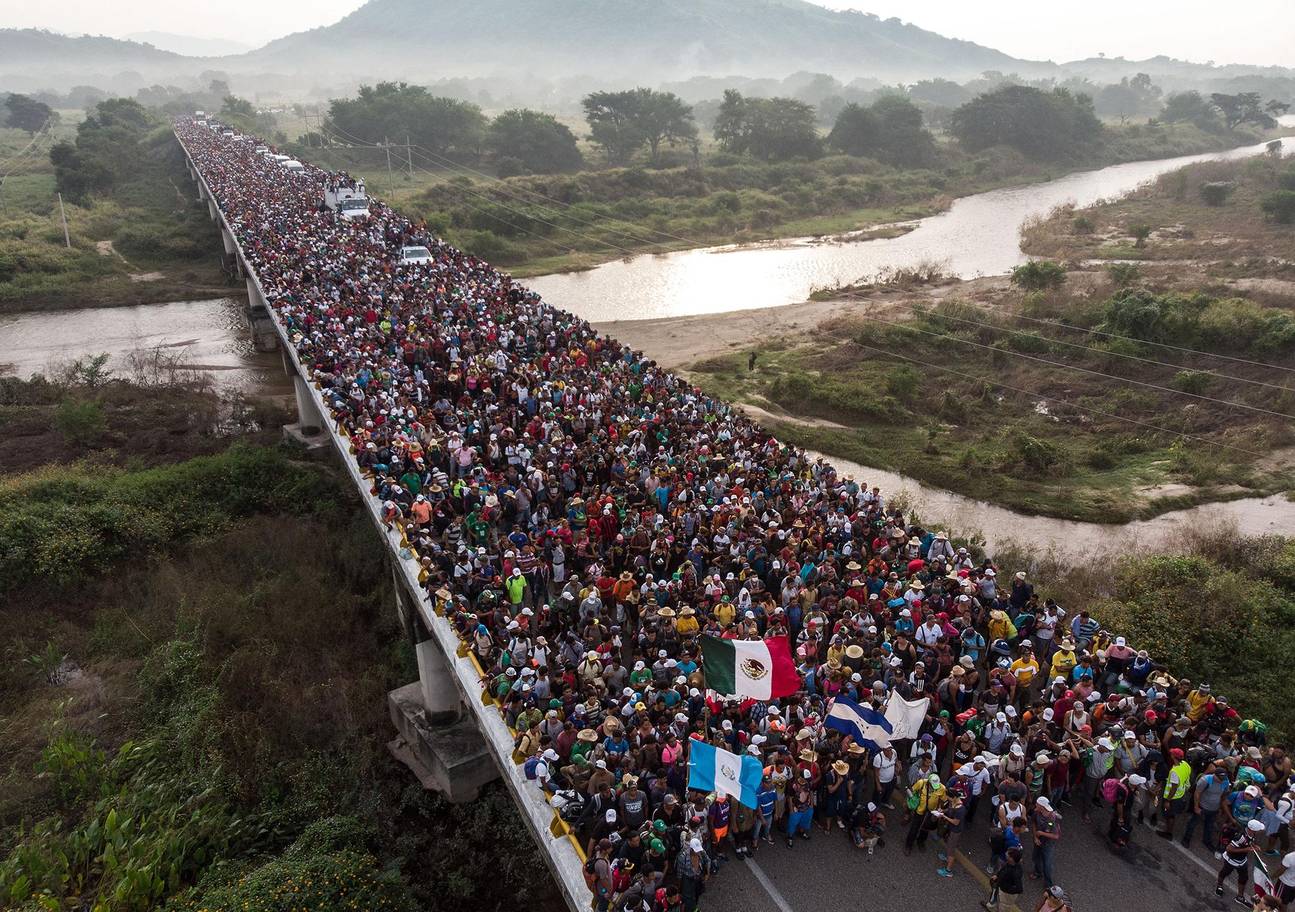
(561, 849)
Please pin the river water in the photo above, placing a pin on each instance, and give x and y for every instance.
(999, 525)
(977, 235)
(213, 337)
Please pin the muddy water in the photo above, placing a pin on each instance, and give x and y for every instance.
(998, 525)
(978, 235)
(212, 336)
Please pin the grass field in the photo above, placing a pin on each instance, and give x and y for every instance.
(941, 390)
(151, 241)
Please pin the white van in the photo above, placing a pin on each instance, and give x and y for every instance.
(415, 254)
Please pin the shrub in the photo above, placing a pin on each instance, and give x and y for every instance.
(1039, 275)
(1082, 224)
(1190, 381)
(1123, 274)
(1280, 206)
(1140, 233)
(81, 422)
(1216, 193)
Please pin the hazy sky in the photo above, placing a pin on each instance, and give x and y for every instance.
(1243, 31)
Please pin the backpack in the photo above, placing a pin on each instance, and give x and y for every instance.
(529, 767)
(1110, 790)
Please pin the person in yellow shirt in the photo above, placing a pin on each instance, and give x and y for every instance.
(1064, 659)
(687, 625)
(1199, 702)
(1025, 669)
(725, 612)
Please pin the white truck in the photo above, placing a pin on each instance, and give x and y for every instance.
(350, 202)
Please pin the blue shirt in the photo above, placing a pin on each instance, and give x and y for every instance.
(765, 801)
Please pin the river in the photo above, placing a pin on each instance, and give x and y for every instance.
(213, 337)
(999, 525)
(977, 235)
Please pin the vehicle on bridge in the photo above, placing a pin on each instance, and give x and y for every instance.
(294, 166)
(350, 201)
(415, 255)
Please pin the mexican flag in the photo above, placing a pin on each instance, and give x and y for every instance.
(760, 669)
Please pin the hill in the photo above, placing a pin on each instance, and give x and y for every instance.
(34, 59)
(643, 40)
(190, 45)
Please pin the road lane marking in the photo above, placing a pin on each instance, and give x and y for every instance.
(974, 870)
(778, 900)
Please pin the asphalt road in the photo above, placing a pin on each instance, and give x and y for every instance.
(828, 873)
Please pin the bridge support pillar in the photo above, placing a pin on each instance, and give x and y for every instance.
(211, 209)
(310, 428)
(438, 744)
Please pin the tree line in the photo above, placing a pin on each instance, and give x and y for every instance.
(1053, 124)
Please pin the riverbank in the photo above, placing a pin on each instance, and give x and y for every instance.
(943, 383)
(145, 242)
(546, 224)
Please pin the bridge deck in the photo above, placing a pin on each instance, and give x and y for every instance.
(561, 850)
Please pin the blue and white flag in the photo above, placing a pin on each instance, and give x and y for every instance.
(713, 769)
(863, 723)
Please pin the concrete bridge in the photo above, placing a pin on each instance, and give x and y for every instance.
(452, 737)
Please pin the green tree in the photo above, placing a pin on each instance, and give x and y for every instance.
(663, 117)
(890, 130)
(1136, 97)
(772, 129)
(391, 111)
(856, 131)
(614, 124)
(1243, 108)
(233, 106)
(536, 140)
(107, 150)
(26, 113)
(1053, 125)
(1193, 108)
(623, 122)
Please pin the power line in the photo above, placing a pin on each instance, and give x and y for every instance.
(497, 218)
(1085, 370)
(434, 158)
(941, 315)
(1041, 397)
(625, 250)
(1111, 335)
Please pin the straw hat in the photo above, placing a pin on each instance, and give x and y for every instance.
(841, 767)
(587, 734)
(808, 756)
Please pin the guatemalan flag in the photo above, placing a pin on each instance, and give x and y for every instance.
(759, 669)
(863, 723)
(713, 769)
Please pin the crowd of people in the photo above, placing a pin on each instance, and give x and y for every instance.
(584, 517)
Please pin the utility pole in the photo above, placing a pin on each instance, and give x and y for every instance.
(67, 239)
(391, 181)
(409, 156)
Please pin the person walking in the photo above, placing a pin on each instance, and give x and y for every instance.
(1045, 828)
(1008, 883)
(952, 821)
(1236, 860)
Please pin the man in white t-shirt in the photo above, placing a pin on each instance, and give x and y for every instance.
(885, 766)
